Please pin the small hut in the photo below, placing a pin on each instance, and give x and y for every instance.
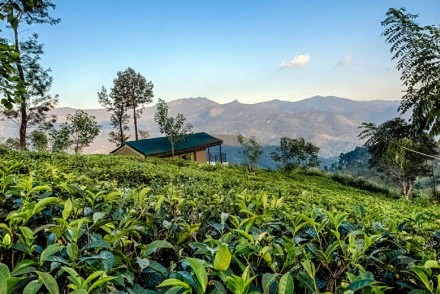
(199, 147)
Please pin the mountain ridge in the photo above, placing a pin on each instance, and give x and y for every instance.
(330, 122)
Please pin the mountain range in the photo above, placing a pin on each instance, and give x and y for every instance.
(332, 123)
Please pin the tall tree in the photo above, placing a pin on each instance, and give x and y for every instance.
(174, 128)
(417, 51)
(36, 102)
(251, 150)
(397, 150)
(83, 129)
(294, 153)
(137, 92)
(116, 104)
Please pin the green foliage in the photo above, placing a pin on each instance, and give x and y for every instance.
(294, 153)
(105, 224)
(39, 140)
(10, 85)
(60, 138)
(33, 81)
(399, 151)
(174, 128)
(417, 51)
(132, 91)
(252, 151)
(355, 159)
(116, 104)
(83, 129)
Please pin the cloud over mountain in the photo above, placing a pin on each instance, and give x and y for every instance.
(297, 61)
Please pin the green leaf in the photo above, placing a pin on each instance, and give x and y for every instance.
(245, 235)
(49, 282)
(174, 290)
(143, 263)
(92, 277)
(32, 287)
(100, 282)
(267, 282)
(49, 251)
(173, 283)
(96, 244)
(79, 291)
(286, 285)
(45, 202)
(422, 277)
(200, 272)
(72, 251)
(68, 207)
(4, 276)
(222, 258)
(158, 244)
(24, 267)
(432, 264)
(360, 284)
(39, 189)
(108, 260)
(97, 216)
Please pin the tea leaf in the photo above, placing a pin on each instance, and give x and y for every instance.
(222, 258)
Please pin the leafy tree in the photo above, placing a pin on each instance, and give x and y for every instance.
(252, 151)
(10, 84)
(34, 104)
(174, 128)
(397, 150)
(294, 153)
(116, 104)
(83, 129)
(136, 92)
(60, 138)
(417, 51)
(39, 140)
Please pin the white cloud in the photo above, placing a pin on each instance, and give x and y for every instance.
(345, 61)
(297, 61)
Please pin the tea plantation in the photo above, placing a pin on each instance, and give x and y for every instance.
(106, 224)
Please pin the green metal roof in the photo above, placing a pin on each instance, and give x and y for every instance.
(161, 145)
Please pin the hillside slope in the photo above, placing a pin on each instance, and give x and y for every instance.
(109, 224)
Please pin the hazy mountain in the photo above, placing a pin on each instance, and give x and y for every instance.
(329, 122)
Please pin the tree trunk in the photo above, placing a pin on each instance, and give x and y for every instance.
(23, 106)
(407, 190)
(121, 133)
(135, 123)
(172, 148)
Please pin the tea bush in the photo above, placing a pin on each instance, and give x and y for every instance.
(105, 224)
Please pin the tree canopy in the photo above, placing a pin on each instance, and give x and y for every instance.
(174, 128)
(294, 153)
(251, 151)
(397, 150)
(33, 81)
(116, 104)
(417, 51)
(83, 129)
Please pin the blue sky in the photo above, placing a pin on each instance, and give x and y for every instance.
(250, 50)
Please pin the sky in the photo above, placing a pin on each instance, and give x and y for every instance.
(249, 50)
